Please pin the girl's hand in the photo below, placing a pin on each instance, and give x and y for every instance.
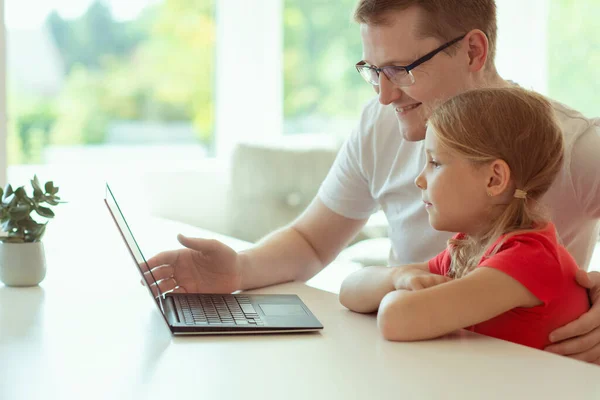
(416, 279)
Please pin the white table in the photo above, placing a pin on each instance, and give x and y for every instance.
(90, 331)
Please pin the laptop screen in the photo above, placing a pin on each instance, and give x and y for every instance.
(134, 249)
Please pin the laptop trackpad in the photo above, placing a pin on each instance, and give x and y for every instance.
(280, 310)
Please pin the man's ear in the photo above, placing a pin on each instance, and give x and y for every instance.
(478, 48)
(498, 178)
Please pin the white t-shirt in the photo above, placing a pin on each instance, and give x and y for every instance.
(376, 169)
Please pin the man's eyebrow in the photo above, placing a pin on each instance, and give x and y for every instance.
(397, 63)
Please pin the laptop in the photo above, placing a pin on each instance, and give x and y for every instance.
(208, 314)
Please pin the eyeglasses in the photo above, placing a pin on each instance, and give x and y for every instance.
(399, 75)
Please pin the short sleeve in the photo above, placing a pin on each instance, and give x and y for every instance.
(585, 170)
(440, 264)
(346, 190)
(530, 260)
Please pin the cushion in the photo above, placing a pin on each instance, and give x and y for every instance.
(271, 184)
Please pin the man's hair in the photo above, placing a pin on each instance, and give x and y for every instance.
(510, 124)
(443, 19)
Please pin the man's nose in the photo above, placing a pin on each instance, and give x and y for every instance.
(388, 92)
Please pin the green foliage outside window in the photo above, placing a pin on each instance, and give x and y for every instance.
(160, 67)
(321, 46)
(574, 54)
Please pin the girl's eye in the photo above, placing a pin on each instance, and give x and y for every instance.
(434, 163)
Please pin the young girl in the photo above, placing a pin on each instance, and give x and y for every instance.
(491, 155)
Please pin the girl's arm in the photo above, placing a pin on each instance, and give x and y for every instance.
(363, 290)
(439, 310)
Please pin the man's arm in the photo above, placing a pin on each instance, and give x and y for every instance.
(580, 339)
(439, 310)
(300, 250)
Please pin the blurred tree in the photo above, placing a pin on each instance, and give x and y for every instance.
(94, 36)
(321, 46)
(158, 67)
(574, 54)
(176, 64)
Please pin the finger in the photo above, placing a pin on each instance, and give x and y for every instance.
(166, 257)
(581, 326)
(178, 289)
(198, 244)
(159, 273)
(583, 279)
(578, 345)
(164, 285)
(590, 356)
(143, 266)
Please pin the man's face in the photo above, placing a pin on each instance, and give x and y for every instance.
(435, 80)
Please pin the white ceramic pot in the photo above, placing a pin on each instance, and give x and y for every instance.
(22, 264)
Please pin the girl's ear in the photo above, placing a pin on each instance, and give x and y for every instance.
(498, 178)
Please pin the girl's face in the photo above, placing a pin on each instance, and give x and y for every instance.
(453, 190)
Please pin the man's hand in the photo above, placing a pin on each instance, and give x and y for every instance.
(580, 339)
(204, 266)
(416, 279)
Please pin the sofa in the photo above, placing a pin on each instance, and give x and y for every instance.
(258, 189)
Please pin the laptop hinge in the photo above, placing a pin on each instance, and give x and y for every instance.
(170, 311)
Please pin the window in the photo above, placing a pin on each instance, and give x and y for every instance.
(322, 91)
(574, 54)
(102, 83)
(98, 84)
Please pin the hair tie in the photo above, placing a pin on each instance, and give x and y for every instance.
(520, 194)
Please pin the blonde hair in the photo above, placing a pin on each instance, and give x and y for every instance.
(443, 19)
(510, 124)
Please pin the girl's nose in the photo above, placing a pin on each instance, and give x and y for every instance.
(421, 182)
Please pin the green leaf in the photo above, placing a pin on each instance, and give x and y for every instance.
(45, 212)
(55, 190)
(49, 187)
(51, 200)
(8, 199)
(35, 182)
(9, 226)
(20, 192)
(20, 212)
(29, 224)
(8, 190)
(1, 193)
(39, 232)
(14, 200)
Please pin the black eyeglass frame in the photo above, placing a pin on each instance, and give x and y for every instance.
(407, 68)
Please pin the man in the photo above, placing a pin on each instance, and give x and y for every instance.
(416, 54)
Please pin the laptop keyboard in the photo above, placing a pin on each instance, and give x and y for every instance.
(208, 309)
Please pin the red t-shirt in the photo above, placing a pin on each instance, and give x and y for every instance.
(547, 270)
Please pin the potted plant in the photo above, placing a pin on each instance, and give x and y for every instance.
(22, 259)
